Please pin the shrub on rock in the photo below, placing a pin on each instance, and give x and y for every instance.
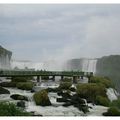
(102, 80)
(41, 98)
(116, 103)
(104, 101)
(4, 91)
(89, 91)
(8, 84)
(25, 85)
(65, 85)
(22, 79)
(19, 97)
(112, 111)
(10, 109)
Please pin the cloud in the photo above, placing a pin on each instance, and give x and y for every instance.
(41, 32)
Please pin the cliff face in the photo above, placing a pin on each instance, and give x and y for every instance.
(5, 57)
(110, 66)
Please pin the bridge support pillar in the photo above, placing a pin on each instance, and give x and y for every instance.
(53, 78)
(75, 79)
(81, 77)
(62, 77)
(38, 78)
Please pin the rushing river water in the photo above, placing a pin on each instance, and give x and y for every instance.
(56, 109)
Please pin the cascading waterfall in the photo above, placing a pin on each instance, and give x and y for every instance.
(89, 65)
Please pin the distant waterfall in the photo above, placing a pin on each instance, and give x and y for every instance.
(89, 65)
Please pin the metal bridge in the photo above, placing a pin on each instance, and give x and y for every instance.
(12, 73)
(21, 73)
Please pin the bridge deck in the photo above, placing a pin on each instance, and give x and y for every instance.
(11, 73)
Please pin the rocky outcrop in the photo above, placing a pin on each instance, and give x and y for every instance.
(5, 57)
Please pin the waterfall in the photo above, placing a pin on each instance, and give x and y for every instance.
(89, 65)
(29, 64)
(112, 94)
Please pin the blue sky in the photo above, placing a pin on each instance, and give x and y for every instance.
(40, 32)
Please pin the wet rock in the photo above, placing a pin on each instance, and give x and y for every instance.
(75, 99)
(61, 100)
(4, 91)
(52, 89)
(72, 89)
(67, 104)
(19, 97)
(21, 104)
(32, 91)
(35, 114)
(59, 93)
(65, 95)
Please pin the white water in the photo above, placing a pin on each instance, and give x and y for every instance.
(112, 94)
(89, 65)
(56, 109)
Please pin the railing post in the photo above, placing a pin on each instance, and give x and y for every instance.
(53, 77)
(75, 79)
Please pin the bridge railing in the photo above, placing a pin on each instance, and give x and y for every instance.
(43, 73)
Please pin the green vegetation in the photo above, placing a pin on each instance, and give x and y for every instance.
(65, 85)
(104, 101)
(116, 103)
(22, 79)
(41, 98)
(8, 84)
(89, 91)
(112, 111)
(25, 85)
(10, 109)
(101, 80)
(4, 91)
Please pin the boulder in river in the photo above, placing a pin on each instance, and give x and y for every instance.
(41, 98)
(4, 91)
(19, 97)
(21, 104)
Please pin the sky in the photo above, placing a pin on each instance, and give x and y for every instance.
(40, 32)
